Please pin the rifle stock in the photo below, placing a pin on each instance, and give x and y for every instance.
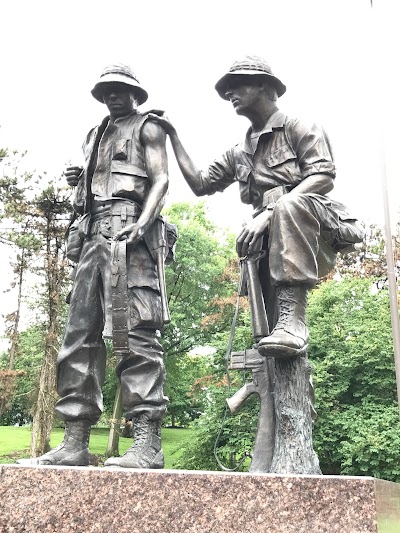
(262, 385)
(238, 399)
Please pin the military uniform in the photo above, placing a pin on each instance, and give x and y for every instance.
(119, 186)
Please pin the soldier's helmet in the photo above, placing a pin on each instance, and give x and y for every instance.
(250, 66)
(119, 73)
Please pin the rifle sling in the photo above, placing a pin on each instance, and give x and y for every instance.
(119, 298)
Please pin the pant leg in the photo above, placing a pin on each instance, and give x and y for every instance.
(82, 357)
(142, 373)
(300, 239)
(142, 377)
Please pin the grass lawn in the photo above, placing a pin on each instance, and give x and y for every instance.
(14, 443)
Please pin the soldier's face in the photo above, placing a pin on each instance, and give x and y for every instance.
(244, 93)
(119, 99)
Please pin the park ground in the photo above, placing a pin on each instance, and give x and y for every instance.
(14, 443)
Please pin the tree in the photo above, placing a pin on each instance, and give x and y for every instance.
(231, 436)
(37, 210)
(196, 285)
(28, 362)
(51, 209)
(351, 351)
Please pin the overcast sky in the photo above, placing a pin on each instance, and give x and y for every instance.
(338, 58)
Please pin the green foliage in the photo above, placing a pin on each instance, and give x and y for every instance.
(194, 279)
(31, 347)
(195, 286)
(357, 431)
(237, 434)
(351, 350)
(34, 212)
(372, 442)
(186, 386)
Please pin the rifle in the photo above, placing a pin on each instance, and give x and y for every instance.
(261, 367)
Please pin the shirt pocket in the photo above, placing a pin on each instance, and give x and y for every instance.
(280, 156)
(129, 181)
(121, 149)
(243, 173)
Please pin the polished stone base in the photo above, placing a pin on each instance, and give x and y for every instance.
(69, 499)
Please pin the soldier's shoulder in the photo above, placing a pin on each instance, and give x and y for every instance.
(304, 125)
(151, 132)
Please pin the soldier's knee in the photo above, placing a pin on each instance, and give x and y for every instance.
(290, 201)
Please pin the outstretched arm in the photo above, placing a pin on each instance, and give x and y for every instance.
(153, 140)
(189, 170)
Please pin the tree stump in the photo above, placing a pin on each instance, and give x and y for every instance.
(293, 451)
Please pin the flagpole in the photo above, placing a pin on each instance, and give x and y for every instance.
(391, 272)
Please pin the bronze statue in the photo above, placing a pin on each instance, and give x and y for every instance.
(118, 240)
(285, 169)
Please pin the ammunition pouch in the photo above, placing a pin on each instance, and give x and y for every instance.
(75, 235)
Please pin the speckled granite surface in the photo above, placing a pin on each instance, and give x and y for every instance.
(63, 499)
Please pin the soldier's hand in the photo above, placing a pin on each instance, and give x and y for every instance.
(73, 175)
(161, 118)
(247, 240)
(132, 233)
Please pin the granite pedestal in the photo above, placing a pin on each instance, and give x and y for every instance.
(64, 499)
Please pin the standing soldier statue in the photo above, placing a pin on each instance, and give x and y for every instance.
(284, 169)
(118, 242)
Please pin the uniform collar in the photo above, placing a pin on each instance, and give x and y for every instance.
(276, 120)
(126, 117)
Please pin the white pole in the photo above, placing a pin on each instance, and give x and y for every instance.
(394, 308)
(391, 273)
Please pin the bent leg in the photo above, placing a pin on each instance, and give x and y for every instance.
(298, 248)
(297, 252)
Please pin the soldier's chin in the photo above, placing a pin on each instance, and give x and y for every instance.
(238, 109)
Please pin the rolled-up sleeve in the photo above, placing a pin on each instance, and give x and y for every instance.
(312, 148)
(219, 175)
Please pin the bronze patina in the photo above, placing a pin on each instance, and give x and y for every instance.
(118, 241)
(285, 169)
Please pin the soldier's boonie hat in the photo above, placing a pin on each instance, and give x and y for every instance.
(119, 73)
(249, 66)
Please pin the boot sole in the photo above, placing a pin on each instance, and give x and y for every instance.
(70, 461)
(281, 352)
(157, 463)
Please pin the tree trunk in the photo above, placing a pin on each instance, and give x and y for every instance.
(294, 453)
(44, 411)
(15, 329)
(113, 436)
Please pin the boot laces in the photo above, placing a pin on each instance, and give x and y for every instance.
(141, 431)
(285, 313)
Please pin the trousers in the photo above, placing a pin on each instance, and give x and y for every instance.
(81, 361)
(306, 232)
(304, 236)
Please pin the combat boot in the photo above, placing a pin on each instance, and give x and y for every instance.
(146, 450)
(73, 451)
(290, 335)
